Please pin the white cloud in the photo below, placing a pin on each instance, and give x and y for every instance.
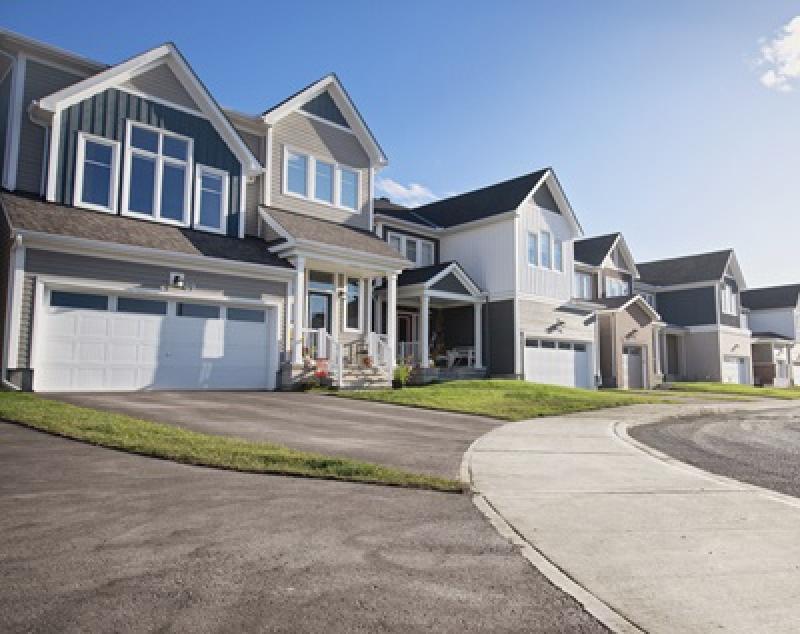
(782, 56)
(412, 195)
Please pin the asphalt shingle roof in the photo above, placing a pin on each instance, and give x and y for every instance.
(593, 250)
(33, 214)
(689, 269)
(772, 297)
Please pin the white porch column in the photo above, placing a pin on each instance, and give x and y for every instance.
(368, 316)
(478, 335)
(424, 330)
(391, 318)
(299, 309)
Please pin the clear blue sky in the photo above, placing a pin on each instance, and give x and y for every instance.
(652, 113)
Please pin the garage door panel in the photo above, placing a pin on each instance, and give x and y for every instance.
(93, 326)
(558, 366)
(91, 352)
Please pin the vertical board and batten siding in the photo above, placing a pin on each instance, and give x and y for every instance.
(258, 146)
(324, 142)
(5, 104)
(101, 270)
(486, 254)
(40, 80)
(105, 115)
(161, 82)
(536, 280)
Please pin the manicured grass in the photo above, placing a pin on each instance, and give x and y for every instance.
(739, 390)
(172, 443)
(503, 399)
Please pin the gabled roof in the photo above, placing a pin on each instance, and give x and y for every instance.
(622, 303)
(142, 63)
(689, 269)
(26, 213)
(787, 296)
(341, 98)
(429, 276)
(593, 251)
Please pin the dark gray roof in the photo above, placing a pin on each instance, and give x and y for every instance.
(771, 335)
(421, 274)
(302, 227)
(33, 214)
(594, 250)
(772, 297)
(689, 269)
(613, 302)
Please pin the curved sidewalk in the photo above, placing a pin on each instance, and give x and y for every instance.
(665, 546)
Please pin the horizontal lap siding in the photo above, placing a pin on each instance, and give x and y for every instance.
(105, 115)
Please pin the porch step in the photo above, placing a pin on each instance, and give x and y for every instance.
(359, 377)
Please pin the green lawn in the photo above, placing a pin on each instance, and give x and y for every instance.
(503, 399)
(738, 390)
(172, 443)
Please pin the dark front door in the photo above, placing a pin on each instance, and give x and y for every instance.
(319, 311)
(404, 333)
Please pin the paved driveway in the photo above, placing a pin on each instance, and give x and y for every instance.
(98, 540)
(415, 439)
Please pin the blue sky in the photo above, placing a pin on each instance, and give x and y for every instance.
(661, 119)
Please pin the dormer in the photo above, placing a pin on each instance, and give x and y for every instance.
(605, 268)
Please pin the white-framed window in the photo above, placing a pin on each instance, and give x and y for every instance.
(96, 173)
(211, 199)
(558, 255)
(533, 249)
(728, 301)
(157, 172)
(417, 250)
(320, 181)
(353, 294)
(583, 285)
(546, 259)
(617, 288)
(650, 298)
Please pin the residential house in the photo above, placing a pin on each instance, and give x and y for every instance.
(773, 315)
(629, 328)
(706, 337)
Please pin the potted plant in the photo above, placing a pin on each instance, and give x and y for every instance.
(322, 378)
(401, 374)
(367, 362)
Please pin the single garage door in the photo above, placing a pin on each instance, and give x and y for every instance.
(97, 342)
(736, 370)
(633, 366)
(796, 373)
(557, 363)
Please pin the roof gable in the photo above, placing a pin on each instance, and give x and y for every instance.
(127, 71)
(324, 107)
(787, 296)
(446, 277)
(593, 251)
(161, 82)
(342, 102)
(689, 269)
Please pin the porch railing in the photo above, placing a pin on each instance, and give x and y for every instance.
(378, 349)
(319, 344)
(408, 352)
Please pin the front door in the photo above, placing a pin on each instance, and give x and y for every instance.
(633, 366)
(319, 311)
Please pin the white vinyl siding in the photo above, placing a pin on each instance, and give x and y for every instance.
(544, 280)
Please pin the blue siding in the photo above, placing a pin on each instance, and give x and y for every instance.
(5, 103)
(690, 307)
(105, 114)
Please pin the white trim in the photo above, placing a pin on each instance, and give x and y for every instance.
(16, 284)
(638, 299)
(53, 157)
(550, 180)
(268, 169)
(225, 197)
(160, 161)
(731, 330)
(326, 121)
(21, 40)
(14, 123)
(170, 104)
(311, 180)
(242, 204)
(459, 274)
(77, 190)
(371, 177)
(404, 239)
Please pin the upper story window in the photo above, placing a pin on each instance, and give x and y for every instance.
(583, 285)
(156, 179)
(558, 255)
(617, 288)
(728, 301)
(417, 250)
(546, 253)
(323, 182)
(650, 298)
(533, 249)
(96, 173)
(211, 199)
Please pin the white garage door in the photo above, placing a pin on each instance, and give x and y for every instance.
(633, 366)
(797, 374)
(557, 363)
(89, 341)
(736, 370)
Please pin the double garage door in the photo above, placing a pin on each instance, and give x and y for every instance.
(736, 370)
(94, 341)
(565, 363)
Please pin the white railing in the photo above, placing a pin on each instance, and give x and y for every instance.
(319, 344)
(378, 349)
(408, 352)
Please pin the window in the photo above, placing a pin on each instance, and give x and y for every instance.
(64, 299)
(728, 301)
(616, 287)
(319, 281)
(650, 298)
(296, 173)
(426, 253)
(156, 183)
(348, 188)
(141, 306)
(583, 285)
(411, 250)
(564, 346)
(558, 255)
(531, 343)
(353, 309)
(211, 199)
(323, 185)
(579, 347)
(533, 249)
(417, 250)
(205, 311)
(546, 259)
(549, 344)
(246, 314)
(96, 173)
(396, 242)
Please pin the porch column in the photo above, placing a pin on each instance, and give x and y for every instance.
(391, 319)
(368, 316)
(478, 335)
(424, 330)
(299, 308)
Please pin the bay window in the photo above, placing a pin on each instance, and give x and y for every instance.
(96, 173)
(156, 180)
(211, 199)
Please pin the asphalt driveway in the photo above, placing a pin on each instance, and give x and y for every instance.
(415, 439)
(100, 540)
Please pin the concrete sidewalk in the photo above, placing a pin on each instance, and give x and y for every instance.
(666, 546)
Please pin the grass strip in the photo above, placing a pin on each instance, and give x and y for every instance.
(735, 389)
(168, 442)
